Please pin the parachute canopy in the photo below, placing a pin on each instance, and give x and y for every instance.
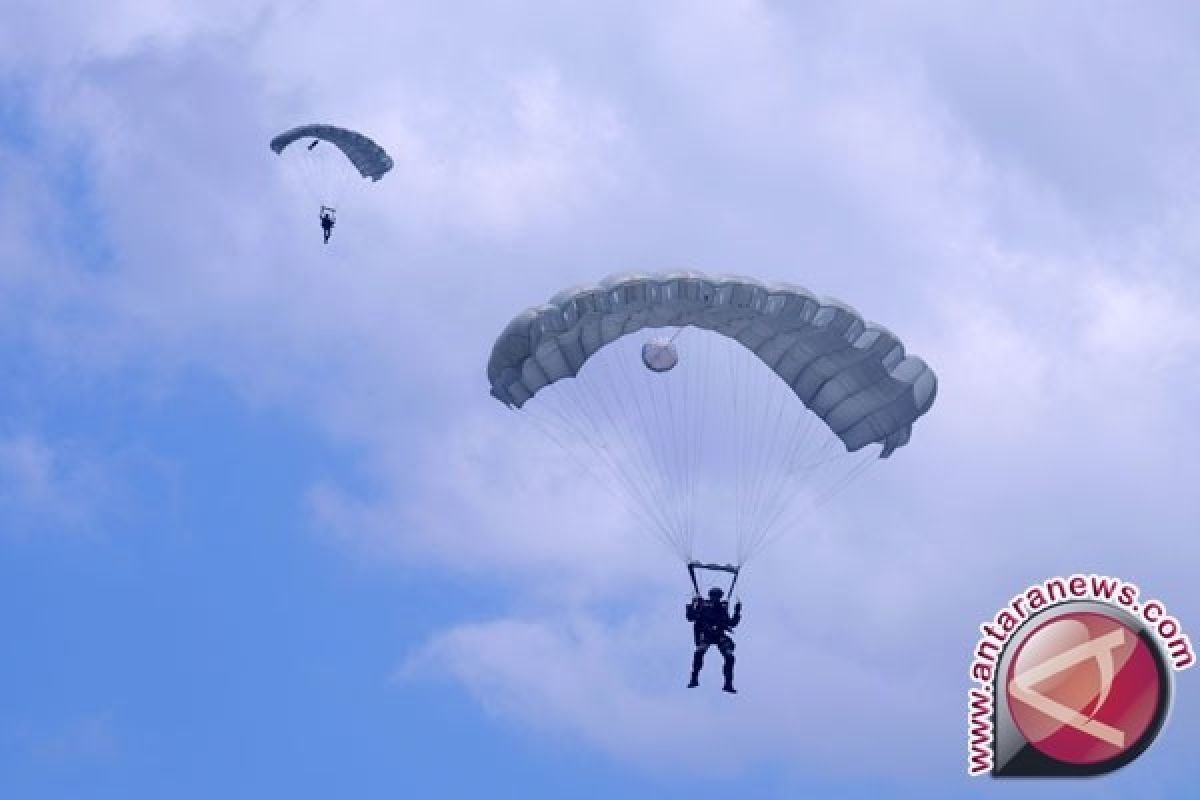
(759, 403)
(368, 158)
(852, 374)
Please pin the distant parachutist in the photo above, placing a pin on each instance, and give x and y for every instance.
(328, 220)
(349, 153)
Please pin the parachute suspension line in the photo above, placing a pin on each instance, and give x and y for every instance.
(749, 445)
(771, 458)
(697, 375)
(675, 383)
(717, 445)
(733, 583)
(335, 172)
(770, 429)
(566, 422)
(796, 446)
(749, 441)
(701, 448)
(789, 474)
(657, 433)
(621, 417)
(687, 434)
(755, 447)
(662, 385)
(324, 170)
(735, 382)
(650, 479)
(701, 442)
(553, 403)
(743, 433)
(652, 433)
(636, 474)
(779, 497)
(548, 430)
(786, 519)
(314, 177)
(684, 433)
(630, 472)
(761, 469)
(629, 499)
(802, 518)
(633, 497)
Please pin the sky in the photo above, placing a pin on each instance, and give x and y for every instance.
(263, 532)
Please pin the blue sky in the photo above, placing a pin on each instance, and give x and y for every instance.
(263, 532)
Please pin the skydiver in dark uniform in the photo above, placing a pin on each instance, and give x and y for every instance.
(711, 625)
(327, 221)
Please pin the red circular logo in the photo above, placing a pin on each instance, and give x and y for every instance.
(1083, 688)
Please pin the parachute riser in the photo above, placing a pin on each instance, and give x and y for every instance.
(730, 568)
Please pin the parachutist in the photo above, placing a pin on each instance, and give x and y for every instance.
(348, 150)
(775, 378)
(711, 626)
(327, 221)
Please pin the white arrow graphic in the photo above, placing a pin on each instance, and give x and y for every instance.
(1021, 686)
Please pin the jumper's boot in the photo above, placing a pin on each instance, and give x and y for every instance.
(728, 687)
(697, 663)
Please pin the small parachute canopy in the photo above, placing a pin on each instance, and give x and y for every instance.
(368, 158)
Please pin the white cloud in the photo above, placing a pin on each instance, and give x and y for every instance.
(619, 685)
(90, 738)
(72, 33)
(27, 466)
(44, 485)
(847, 153)
(495, 498)
(1140, 324)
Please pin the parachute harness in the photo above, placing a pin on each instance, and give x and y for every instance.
(730, 568)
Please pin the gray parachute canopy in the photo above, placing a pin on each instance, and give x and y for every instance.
(852, 374)
(368, 158)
